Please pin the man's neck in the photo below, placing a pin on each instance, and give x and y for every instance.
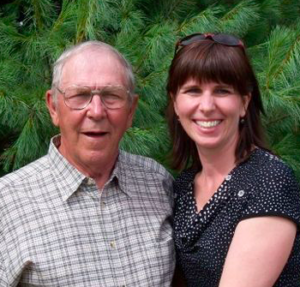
(99, 169)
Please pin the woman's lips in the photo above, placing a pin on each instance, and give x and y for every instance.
(208, 124)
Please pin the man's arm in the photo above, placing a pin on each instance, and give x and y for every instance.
(3, 276)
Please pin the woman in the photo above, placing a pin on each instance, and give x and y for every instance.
(237, 206)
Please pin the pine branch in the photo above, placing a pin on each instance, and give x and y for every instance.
(145, 139)
(85, 20)
(173, 7)
(39, 12)
(289, 55)
(239, 19)
(33, 140)
(11, 105)
(145, 31)
(146, 115)
(206, 21)
(277, 120)
(157, 43)
(277, 51)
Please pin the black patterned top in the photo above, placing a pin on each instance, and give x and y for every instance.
(261, 186)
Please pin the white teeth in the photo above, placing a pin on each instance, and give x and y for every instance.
(207, 124)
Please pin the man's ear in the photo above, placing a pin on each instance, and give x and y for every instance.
(132, 109)
(52, 107)
(246, 100)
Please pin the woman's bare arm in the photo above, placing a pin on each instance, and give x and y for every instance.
(258, 252)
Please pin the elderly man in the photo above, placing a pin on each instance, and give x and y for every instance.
(88, 214)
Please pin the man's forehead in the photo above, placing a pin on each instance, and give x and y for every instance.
(92, 64)
(89, 56)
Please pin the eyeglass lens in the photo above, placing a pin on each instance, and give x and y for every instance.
(113, 97)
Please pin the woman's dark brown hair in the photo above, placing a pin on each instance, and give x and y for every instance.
(207, 61)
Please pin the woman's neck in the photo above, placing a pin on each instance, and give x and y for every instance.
(219, 162)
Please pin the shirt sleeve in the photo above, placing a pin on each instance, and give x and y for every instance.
(274, 193)
(168, 188)
(3, 277)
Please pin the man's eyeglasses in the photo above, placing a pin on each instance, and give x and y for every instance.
(78, 98)
(223, 39)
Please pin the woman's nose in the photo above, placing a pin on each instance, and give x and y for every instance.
(206, 102)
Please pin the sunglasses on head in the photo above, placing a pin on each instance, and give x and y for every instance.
(223, 39)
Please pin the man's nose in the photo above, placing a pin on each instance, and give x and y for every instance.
(96, 108)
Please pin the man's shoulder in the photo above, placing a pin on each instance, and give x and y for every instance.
(145, 177)
(25, 173)
(141, 163)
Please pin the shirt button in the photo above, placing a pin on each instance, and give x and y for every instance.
(113, 244)
(90, 181)
(241, 193)
(228, 177)
(103, 204)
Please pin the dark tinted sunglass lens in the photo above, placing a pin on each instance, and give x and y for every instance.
(191, 39)
(228, 40)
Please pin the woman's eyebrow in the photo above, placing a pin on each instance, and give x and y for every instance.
(189, 86)
(224, 86)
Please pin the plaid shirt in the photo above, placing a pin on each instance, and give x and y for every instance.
(58, 230)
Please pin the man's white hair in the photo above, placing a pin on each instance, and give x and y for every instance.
(92, 45)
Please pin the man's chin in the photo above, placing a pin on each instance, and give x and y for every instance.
(100, 156)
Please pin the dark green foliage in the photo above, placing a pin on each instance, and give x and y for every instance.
(33, 33)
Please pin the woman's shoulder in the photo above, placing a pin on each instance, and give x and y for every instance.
(266, 165)
(273, 188)
(186, 176)
(184, 180)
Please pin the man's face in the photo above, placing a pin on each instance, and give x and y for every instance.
(90, 137)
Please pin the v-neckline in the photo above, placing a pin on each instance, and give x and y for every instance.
(217, 195)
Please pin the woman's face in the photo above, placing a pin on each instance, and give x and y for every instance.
(210, 113)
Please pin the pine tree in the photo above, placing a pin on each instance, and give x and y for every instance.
(34, 33)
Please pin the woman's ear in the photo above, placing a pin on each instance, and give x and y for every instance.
(174, 103)
(172, 97)
(246, 100)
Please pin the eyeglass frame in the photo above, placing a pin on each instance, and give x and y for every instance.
(93, 92)
(180, 43)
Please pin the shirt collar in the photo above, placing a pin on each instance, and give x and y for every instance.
(121, 173)
(68, 178)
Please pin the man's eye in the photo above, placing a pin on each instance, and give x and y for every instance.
(82, 95)
(114, 94)
(111, 96)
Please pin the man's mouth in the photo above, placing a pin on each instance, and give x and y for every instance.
(95, 134)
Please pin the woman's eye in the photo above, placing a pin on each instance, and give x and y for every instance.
(222, 91)
(193, 91)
